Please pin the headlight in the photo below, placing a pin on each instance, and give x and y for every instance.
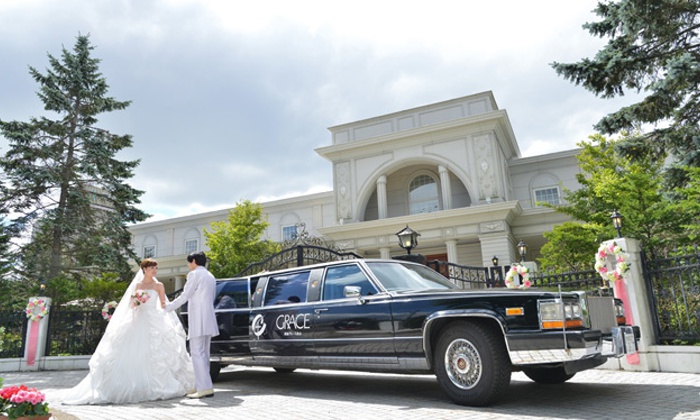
(557, 315)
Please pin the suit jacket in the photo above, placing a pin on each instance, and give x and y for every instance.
(200, 292)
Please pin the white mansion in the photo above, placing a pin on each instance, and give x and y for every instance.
(452, 171)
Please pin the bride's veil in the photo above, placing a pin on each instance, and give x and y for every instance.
(122, 313)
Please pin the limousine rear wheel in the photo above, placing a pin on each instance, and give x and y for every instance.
(214, 370)
(471, 363)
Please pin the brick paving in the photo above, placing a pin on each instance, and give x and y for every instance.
(255, 393)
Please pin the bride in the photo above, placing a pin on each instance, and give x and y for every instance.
(142, 355)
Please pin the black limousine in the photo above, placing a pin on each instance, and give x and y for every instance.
(401, 317)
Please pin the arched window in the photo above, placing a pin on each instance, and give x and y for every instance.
(423, 195)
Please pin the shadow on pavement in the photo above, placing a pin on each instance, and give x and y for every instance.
(580, 400)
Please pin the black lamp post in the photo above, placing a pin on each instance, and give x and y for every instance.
(616, 218)
(522, 249)
(408, 239)
(494, 260)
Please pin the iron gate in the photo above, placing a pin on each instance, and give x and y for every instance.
(673, 284)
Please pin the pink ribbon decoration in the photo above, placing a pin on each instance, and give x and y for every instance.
(621, 293)
(33, 342)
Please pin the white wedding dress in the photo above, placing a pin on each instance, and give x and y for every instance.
(141, 357)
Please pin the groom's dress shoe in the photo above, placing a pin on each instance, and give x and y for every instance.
(201, 394)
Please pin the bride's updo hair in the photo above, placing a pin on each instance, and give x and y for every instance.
(148, 262)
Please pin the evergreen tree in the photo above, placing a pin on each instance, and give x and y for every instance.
(235, 243)
(653, 47)
(64, 187)
(688, 205)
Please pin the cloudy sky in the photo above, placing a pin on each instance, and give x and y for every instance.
(230, 98)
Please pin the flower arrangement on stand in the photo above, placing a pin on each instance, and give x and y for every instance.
(108, 310)
(36, 309)
(521, 271)
(22, 403)
(621, 266)
(138, 298)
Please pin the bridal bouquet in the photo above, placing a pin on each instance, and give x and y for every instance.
(138, 298)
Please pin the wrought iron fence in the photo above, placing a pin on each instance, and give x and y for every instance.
(74, 332)
(466, 277)
(15, 325)
(472, 277)
(297, 256)
(588, 281)
(674, 292)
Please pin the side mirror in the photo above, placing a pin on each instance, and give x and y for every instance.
(352, 291)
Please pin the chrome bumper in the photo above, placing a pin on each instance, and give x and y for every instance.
(623, 340)
(525, 350)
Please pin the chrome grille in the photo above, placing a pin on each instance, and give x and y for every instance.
(601, 310)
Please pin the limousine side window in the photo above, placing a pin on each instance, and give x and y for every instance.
(286, 288)
(347, 275)
(233, 294)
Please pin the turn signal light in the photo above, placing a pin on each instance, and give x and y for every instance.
(570, 323)
(515, 311)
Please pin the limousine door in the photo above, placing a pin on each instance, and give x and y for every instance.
(348, 325)
(280, 322)
(232, 308)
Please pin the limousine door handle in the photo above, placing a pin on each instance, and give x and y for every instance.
(319, 310)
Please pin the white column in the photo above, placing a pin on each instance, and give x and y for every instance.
(633, 292)
(445, 187)
(37, 330)
(452, 251)
(381, 197)
(384, 253)
(179, 282)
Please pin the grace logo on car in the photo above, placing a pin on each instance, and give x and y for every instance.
(293, 322)
(258, 325)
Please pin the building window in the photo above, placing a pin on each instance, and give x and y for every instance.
(149, 251)
(423, 195)
(289, 233)
(547, 195)
(191, 245)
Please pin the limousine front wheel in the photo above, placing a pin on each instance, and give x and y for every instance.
(471, 363)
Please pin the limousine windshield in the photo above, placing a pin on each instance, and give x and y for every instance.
(404, 277)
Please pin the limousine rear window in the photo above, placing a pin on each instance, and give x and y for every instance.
(286, 288)
(232, 295)
(396, 276)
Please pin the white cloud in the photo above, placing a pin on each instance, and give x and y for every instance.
(230, 99)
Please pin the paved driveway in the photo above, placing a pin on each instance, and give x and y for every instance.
(264, 394)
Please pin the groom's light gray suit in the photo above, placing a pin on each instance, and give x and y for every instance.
(199, 291)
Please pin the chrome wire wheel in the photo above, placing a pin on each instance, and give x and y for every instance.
(463, 364)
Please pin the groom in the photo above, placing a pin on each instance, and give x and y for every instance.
(200, 291)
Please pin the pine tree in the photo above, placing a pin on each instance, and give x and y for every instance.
(64, 189)
(652, 48)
